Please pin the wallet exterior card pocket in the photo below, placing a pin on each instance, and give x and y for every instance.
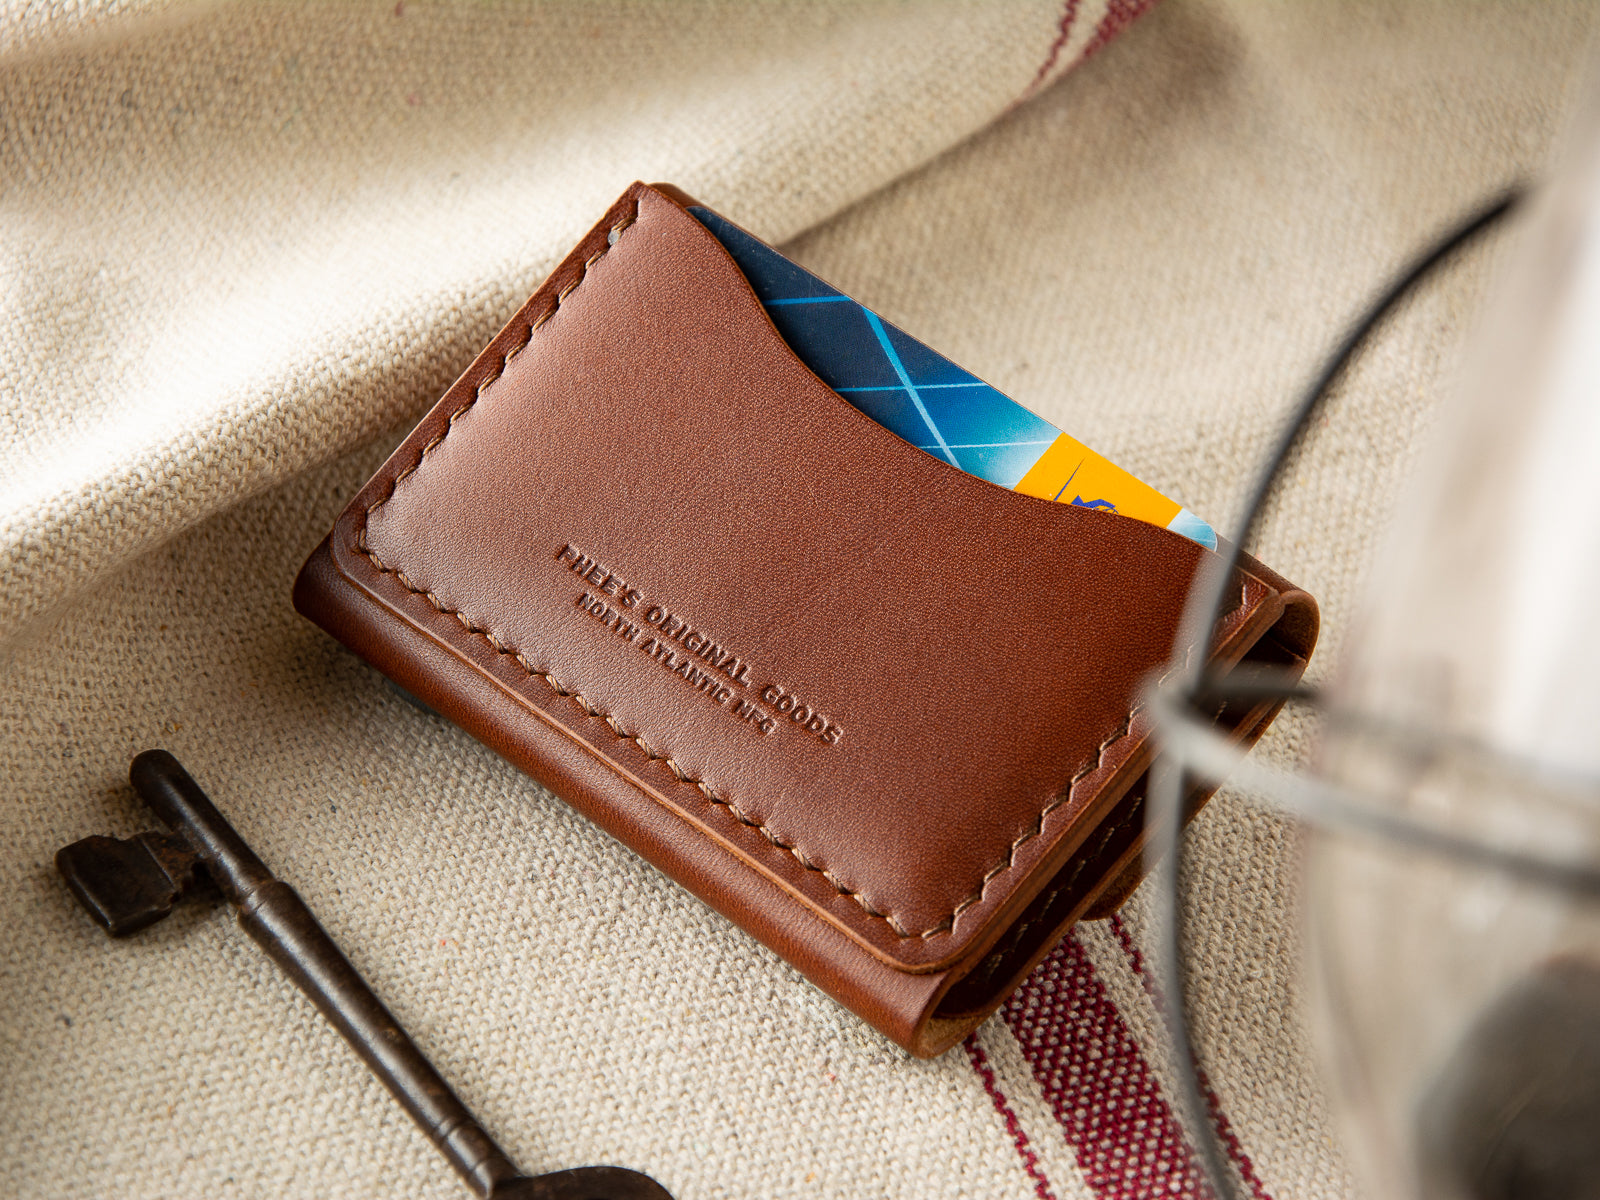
(882, 714)
(935, 405)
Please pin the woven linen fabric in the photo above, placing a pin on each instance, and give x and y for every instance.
(243, 246)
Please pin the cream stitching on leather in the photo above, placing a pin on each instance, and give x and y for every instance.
(612, 236)
(622, 734)
(1027, 835)
(700, 785)
(493, 374)
(997, 957)
(744, 818)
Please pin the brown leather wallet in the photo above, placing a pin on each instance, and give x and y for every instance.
(882, 714)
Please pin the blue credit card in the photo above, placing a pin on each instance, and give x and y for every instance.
(926, 399)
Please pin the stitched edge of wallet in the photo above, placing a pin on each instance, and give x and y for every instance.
(1124, 728)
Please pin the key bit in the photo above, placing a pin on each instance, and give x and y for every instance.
(128, 884)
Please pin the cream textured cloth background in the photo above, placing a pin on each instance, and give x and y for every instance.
(241, 246)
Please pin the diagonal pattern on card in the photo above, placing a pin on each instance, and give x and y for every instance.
(932, 403)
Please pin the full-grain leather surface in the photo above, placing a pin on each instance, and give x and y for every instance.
(865, 703)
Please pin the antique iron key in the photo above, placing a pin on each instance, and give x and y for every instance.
(127, 884)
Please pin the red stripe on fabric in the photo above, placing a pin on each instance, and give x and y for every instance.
(1219, 1119)
(1090, 1071)
(1069, 14)
(1019, 1136)
(1119, 15)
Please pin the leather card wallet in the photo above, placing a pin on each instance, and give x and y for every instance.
(882, 714)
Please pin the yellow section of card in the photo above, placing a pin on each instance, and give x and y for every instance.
(1072, 473)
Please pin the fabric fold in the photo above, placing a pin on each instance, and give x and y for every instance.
(238, 241)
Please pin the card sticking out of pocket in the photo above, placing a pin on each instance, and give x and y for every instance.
(935, 405)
